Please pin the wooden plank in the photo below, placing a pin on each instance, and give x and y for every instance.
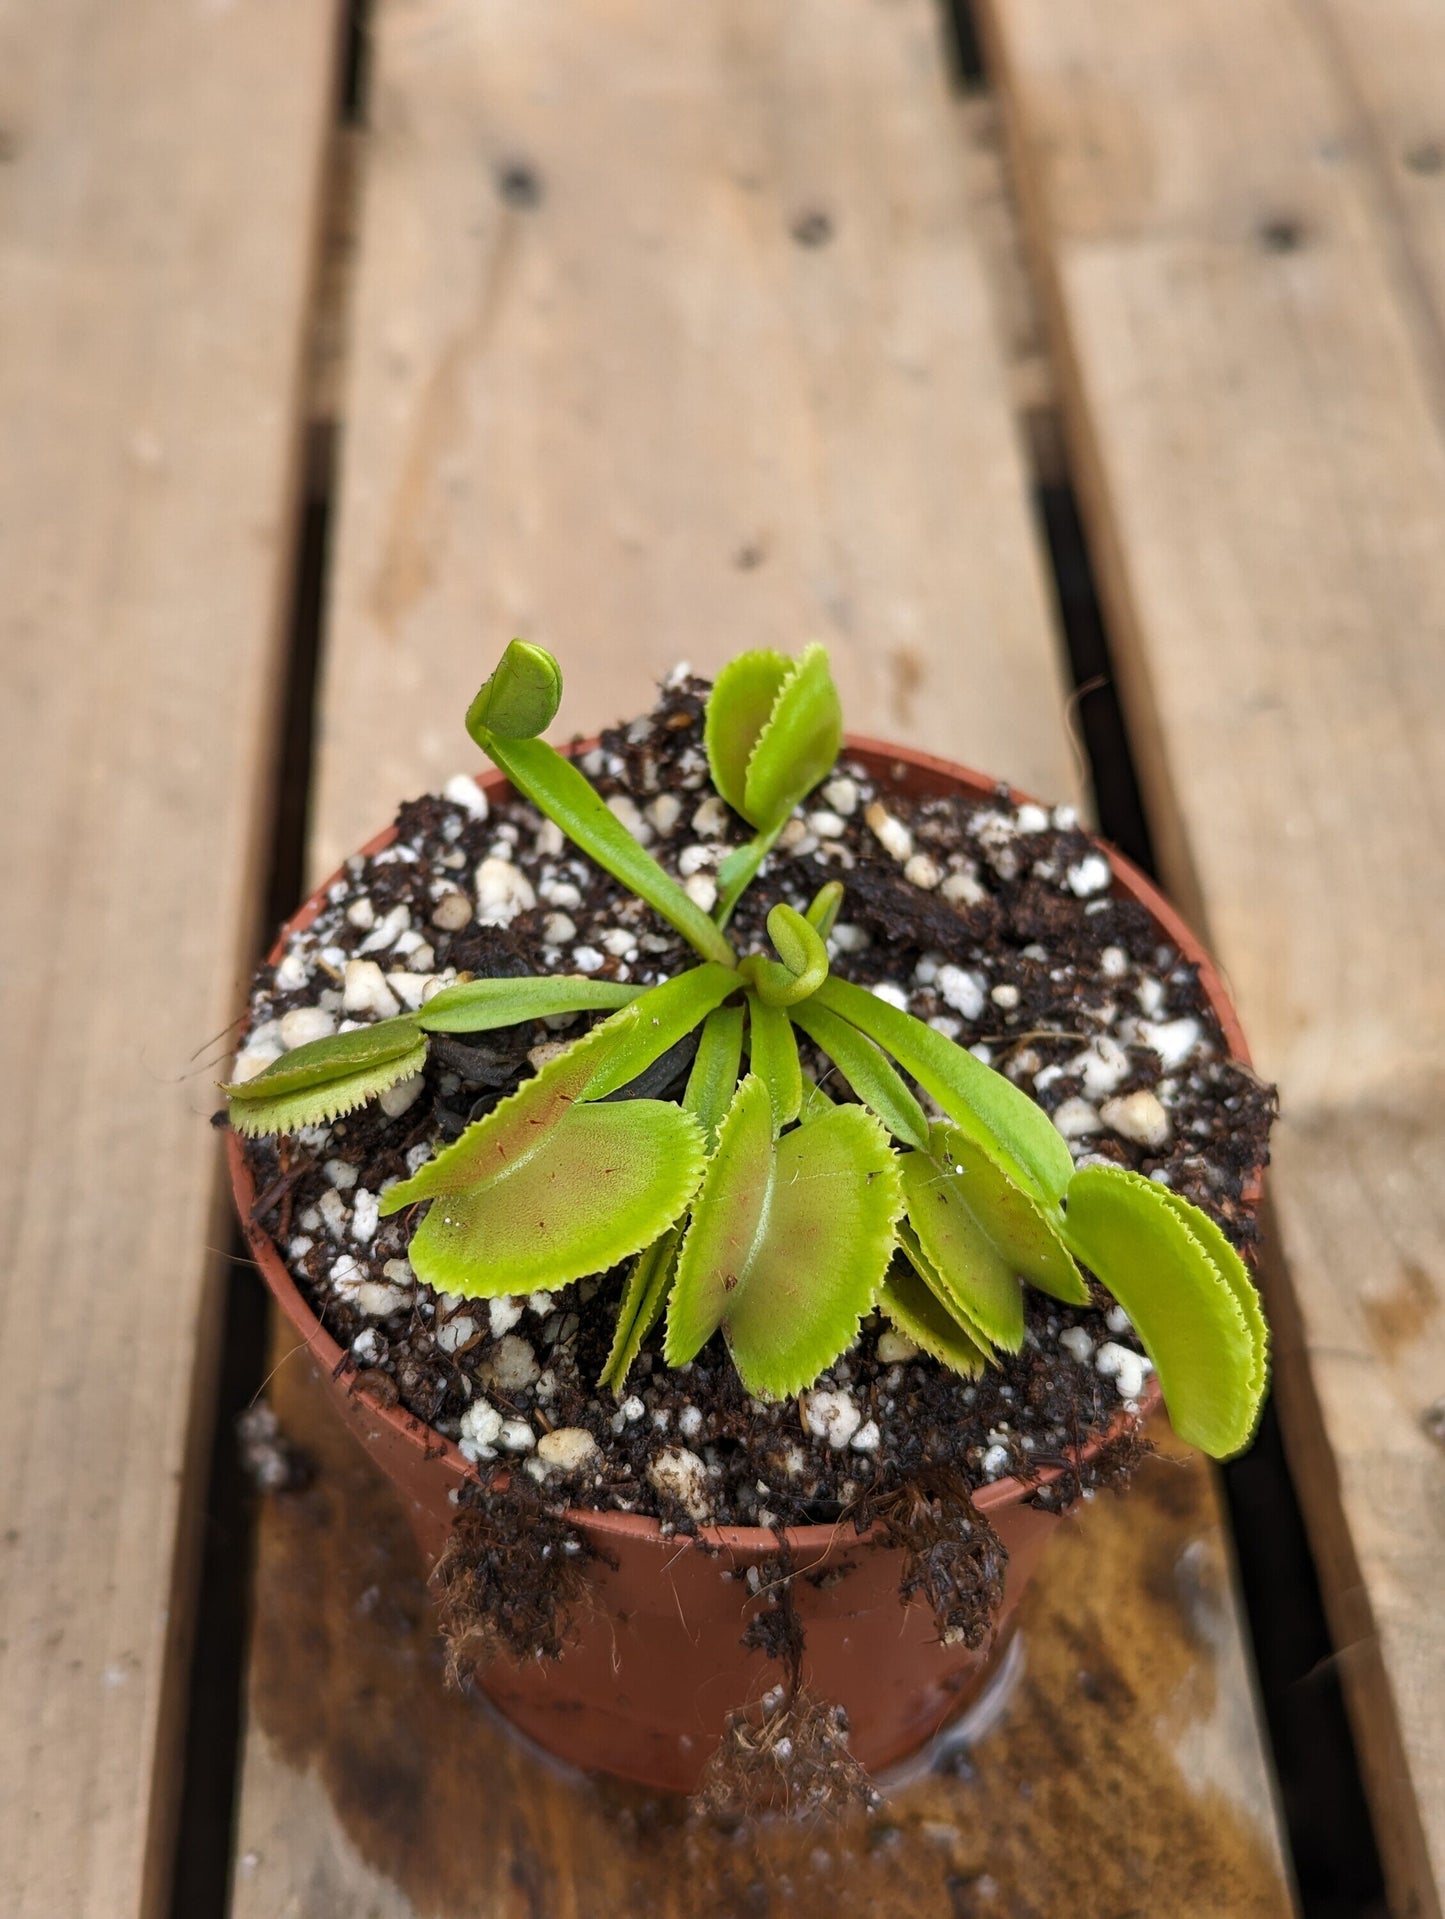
(157, 196)
(638, 420)
(1250, 408)
(569, 418)
(1113, 1783)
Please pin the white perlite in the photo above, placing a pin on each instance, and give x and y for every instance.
(1137, 1116)
(503, 1314)
(962, 991)
(516, 1436)
(1124, 1366)
(922, 871)
(627, 813)
(1076, 1343)
(462, 790)
(1090, 876)
(451, 912)
(567, 1450)
(511, 1365)
(701, 889)
(842, 795)
(365, 1216)
(397, 1099)
(890, 994)
(366, 990)
(503, 891)
(481, 1428)
(681, 1475)
(455, 1333)
(303, 1024)
(830, 1415)
(1173, 1040)
(710, 819)
(894, 1348)
(1076, 1118)
(891, 834)
(665, 812)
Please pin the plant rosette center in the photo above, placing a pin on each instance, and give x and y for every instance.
(763, 1138)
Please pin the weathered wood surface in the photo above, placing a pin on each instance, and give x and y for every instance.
(158, 183)
(634, 415)
(1252, 385)
(1113, 1783)
(636, 418)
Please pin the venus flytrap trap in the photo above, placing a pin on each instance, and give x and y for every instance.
(757, 1204)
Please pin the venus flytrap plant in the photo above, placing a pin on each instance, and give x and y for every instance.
(757, 1205)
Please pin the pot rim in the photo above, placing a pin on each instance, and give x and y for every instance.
(1129, 881)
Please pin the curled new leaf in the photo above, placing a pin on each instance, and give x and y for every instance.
(327, 1077)
(1143, 1244)
(521, 698)
(804, 959)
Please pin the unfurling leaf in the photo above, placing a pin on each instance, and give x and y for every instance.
(515, 696)
(327, 1078)
(866, 1071)
(788, 1243)
(479, 1005)
(982, 1103)
(822, 915)
(643, 1299)
(801, 949)
(738, 708)
(917, 1312)
(521, 698)
(765, 762)
(797, 747)
(773, 1052)
(964, 1175)
(1207, 1348)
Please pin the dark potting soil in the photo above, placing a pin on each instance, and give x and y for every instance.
(991, 919)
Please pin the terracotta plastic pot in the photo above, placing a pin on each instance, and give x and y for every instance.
(657, 1666)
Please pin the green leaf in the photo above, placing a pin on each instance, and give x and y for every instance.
(822, 915)
(975, 1276)
(866, 1071)
(738, 708)
(982, 1103)
(788, 1243)
(804, 959)
(642, 1301)
(714, 1076)
(521, 698)
(798, 745)
(560, 790)
(917, 1312)
(320, 1061)
(325, 1092)
(593, 1189)
(658, 1019)
(479, 1005)
(735, 874)
(1205, 1350)
(1234, 1273)
(774, 1055)
(1022, 1232)
(816, 1103)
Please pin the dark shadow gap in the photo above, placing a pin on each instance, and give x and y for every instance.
(210, 1778)
(965, 50)
(1327, 1821)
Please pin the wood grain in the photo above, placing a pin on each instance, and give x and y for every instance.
(637, 418)
(158, 182)
(1250, 399)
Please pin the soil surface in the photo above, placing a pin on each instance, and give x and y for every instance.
(993, 920)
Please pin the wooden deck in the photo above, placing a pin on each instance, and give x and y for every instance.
(650, 332)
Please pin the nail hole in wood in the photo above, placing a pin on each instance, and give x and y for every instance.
(519, 185)
(813, 228)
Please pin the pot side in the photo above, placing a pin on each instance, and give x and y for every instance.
(656, 1665)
